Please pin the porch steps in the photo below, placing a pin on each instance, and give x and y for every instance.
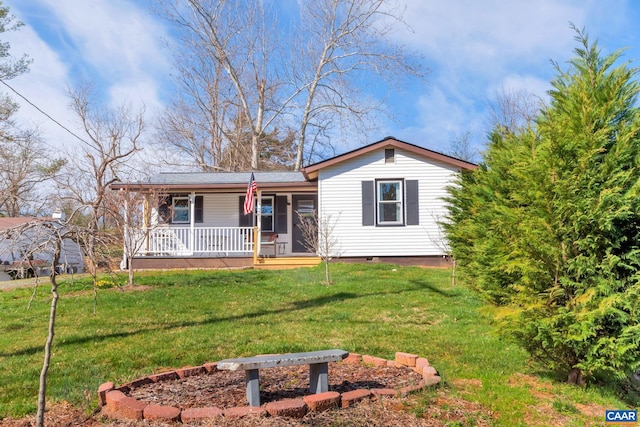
(279, 263)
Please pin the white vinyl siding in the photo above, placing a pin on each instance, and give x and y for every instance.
(221, 210)
(340, 196)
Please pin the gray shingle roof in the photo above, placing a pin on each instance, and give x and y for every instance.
(216, 178)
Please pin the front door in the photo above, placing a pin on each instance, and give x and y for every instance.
(304, 205)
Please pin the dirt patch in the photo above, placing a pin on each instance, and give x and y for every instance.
(125, 289)
(467, 386)
(538, 389)
(550, 408)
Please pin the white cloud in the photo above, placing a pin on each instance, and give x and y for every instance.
(491, 32)
(477, 47)
(440, 120)
(44, 86)
(114, 44)
(116, 39)
(517, 82)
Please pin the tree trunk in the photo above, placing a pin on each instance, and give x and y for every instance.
(327, 277)
(576, 377)
(42, 391)
(130, 270)
(453, 272)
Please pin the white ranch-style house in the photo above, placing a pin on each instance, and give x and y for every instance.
(384, 202)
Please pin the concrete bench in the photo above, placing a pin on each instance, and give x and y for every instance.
(318, 362)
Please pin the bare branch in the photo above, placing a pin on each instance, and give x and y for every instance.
(319, 237)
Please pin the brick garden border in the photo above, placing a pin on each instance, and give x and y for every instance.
(116, 403)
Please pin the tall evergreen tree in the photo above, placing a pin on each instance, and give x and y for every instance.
(548, 227)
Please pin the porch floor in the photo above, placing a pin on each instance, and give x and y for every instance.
(171, 263)
(283, 262)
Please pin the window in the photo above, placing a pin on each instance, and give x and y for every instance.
(198, 211)
(306, 207)
(266, 212)
(389, 202)
(273, 215)
(180, 210)
(389, 155)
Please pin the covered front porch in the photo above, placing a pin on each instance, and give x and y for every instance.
(209, 242)
(204, 225)
(215, 247)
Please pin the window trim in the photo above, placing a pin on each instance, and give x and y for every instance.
(400, 200)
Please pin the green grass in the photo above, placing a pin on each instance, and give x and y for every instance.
(189, 318)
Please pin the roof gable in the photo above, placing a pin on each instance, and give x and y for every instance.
(301, 180)
(311, 171)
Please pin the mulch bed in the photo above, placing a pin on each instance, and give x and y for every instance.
(226, 389)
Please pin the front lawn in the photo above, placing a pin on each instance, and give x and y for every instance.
(175, 319)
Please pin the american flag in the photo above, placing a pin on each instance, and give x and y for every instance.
(248, 199)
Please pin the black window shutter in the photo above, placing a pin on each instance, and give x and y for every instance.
(164, 209)
(281, 215)
(413, 210)
(199, 209)
(245, 220)
(368, 203)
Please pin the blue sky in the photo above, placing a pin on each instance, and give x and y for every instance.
(473, 49)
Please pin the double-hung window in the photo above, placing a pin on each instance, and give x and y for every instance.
(180, 210)
(266, 213)
(390, 202)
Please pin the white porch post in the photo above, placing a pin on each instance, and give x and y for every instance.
(192, 222)
(259, 219)
(127, 235)
(146, 221)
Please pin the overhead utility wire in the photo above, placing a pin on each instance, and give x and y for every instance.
(55, 121)
(41, 111)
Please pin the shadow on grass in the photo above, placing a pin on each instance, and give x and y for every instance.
(430, 287)
(294, 306)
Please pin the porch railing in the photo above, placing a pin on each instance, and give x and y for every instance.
(184, 241)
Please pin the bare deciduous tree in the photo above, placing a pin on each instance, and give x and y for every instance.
(46, 236)
(512, 110)
(245, 68)
(131, 213)
(24, 166)
(111, 139)
(234, 38)
(342, 40)
(462, 148)
(194, 125)
(319, 237)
